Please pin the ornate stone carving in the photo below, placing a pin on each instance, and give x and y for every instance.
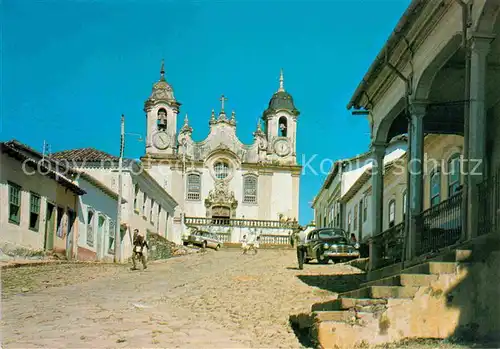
(221, 196)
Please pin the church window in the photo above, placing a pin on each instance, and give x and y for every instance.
(193, 187)
(162, 119)
(283, 126)
(221, 170)
(250, 189)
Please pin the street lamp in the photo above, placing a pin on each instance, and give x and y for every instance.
(118, 239)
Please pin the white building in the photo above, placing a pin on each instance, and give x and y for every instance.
(219, 182)
(334, 205)
(148, 206)
(97, 213)
(38, 203)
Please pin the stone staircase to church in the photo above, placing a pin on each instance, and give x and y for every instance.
(428, 300)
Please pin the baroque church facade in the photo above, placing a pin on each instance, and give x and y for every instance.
(221, 178)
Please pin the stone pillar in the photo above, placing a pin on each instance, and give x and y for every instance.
(416, 168)
(480, 46)
(378, 153)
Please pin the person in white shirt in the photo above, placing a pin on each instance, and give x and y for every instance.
(244, 244)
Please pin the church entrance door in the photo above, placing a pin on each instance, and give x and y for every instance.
(221, 215)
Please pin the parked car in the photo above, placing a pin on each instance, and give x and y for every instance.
(327, 244)
(204, 239)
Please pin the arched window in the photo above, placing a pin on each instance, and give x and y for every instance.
(435, 191)
(193, 186)
(404, 205)
(250, 189)
(392, 213)
(453, 174)
(221, 170)
(282, 126)
(162, 119)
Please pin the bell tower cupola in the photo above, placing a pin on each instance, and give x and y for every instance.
(161, 113)
(280, 119)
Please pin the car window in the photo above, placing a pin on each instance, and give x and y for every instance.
(332, 233)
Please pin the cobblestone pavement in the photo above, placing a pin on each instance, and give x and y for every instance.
(215, 300)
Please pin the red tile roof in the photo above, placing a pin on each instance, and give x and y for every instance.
(83, 154)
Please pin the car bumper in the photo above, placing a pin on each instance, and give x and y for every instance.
(331, 254)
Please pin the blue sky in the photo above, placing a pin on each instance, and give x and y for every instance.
(71, 68)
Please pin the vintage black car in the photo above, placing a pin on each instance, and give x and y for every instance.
(330, 244)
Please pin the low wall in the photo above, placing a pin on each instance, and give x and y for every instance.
(269, 236)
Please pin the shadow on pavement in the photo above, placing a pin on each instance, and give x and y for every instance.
(334, 282)
(303, 335)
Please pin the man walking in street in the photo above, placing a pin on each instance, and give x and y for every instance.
(300, 240)
(138, 252)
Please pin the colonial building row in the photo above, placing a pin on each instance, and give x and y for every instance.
(57, 204)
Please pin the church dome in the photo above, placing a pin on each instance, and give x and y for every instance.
(282, 100)
(161, 89)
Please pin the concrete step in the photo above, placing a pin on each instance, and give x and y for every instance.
(382, 292)
(348, 303)
(432, 268)
(404, 280)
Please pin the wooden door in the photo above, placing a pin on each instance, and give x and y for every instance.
(49, 227)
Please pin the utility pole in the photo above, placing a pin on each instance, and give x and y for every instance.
(119, 205)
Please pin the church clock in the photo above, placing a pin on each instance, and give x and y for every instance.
(282, 147)
(161, 140)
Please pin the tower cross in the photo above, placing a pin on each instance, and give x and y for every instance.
(222, 99)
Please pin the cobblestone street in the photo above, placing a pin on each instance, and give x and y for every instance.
(218, 299)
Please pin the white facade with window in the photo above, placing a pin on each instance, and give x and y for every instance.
(220, 177)
(37, 212)
(96, 219)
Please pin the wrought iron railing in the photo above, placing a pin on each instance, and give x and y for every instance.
(440, 226)
(236, 222)
(388, 245)
(489, 205)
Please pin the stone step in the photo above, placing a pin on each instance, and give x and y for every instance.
(382, 292)
(346, 303)
(432, 268)
(334, 315)
(403, 280)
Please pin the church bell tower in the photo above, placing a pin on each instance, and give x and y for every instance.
(161, 113)
(280, 119)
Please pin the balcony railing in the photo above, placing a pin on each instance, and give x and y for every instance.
(236, 222)
(489, 205)
(274, 239)
(389, 245)
(224, 237)
(440, 226)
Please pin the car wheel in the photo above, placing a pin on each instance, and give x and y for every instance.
(217, 248)
(321, 259)
(185, 243)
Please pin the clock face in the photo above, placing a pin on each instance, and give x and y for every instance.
(161, 140)
(281, 147)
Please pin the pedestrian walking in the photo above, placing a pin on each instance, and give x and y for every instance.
(139, 243)
(244, 244)
(300, 243)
